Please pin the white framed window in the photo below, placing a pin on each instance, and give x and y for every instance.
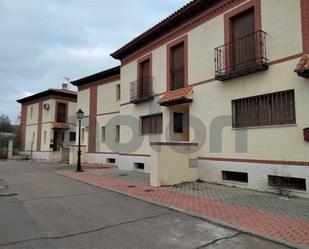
(117, 137)
(103, 134)
(31, 112)
(118, 92)
(45, 135)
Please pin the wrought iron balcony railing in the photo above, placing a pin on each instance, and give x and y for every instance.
(141, 90)
(242, 56)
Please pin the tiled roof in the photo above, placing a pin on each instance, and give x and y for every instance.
(115, 71)
(60, 126)
(64, 91)
(50, 92)
(173, 21)
(177, 96)
(302, 68)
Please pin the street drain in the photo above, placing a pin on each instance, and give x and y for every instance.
(131, 186)
(8, 194)
(148, 190)
(122, 175)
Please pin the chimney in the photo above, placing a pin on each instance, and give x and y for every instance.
(65, 86)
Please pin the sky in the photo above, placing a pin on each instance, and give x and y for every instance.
(43, 41)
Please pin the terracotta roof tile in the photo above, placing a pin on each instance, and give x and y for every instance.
(63, 90)
(60, 126)
(176, 95)
(303, 64)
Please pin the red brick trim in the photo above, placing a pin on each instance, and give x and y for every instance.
(281, 60)
(200, 19)
(292, 57)
(184, 40)
(23, 125)
(99, 82)
(173, 144)
(203, 82)
(92, 119)
(305, 24)
(38, 142)
(107, 113)
(257, 161)
(140, 155)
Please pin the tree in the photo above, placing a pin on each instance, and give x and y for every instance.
(5, 124)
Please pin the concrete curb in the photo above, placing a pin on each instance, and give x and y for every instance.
(206, 218)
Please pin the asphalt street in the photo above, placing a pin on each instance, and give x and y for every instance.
(40, 209)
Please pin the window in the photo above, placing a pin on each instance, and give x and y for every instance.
(139, 166)
(111, 160)
(31, 112)
(118, 93)
(177, 70)
(235, 176)
(178, 122)
(102, 134)
(269, 109)
(287, 182)
(117, 137)
(152, 124)
(72, 136)
(61, 112)
(144, 78)
(45, 135)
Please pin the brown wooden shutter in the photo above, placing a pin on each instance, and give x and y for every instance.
(177, 66)
(144, 81)
(243, 46)
(61, 112)
(269, 109)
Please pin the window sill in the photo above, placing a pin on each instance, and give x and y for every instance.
(234, 183)
(265, 127)
(287, 190)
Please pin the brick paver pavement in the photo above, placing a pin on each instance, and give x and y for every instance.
(265, 223)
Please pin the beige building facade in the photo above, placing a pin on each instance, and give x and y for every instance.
(48, 121)
(209, 93)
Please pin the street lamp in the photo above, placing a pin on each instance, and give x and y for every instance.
(79, 116)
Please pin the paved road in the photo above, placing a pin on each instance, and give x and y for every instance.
(51, 211)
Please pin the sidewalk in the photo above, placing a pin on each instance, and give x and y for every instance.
(268, 215)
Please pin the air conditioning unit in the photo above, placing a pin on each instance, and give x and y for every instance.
(46, 106)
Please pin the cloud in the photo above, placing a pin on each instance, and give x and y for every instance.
(43, 41)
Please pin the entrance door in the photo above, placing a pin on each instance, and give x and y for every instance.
(243, 44)
(58, 139)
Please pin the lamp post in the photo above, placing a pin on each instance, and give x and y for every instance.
(79, 116)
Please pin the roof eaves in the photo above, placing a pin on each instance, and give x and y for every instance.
(97, 76)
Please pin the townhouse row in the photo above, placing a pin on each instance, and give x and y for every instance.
(209, 93)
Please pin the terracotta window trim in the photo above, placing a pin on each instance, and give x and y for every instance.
(169, 46)
(305, 24)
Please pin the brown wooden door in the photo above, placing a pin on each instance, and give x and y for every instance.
(243, 45)
(177, 67)
(144, 82)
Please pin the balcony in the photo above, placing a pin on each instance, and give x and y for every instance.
(141, 90)
(242, 56)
